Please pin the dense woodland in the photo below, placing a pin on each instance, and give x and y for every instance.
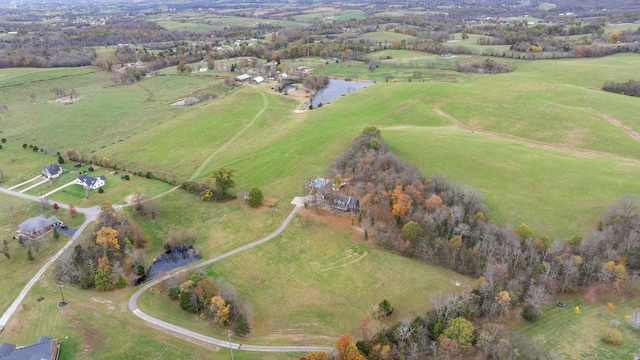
(446, 223)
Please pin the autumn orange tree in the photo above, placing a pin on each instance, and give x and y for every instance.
(346, 349)
(319, 355)
(401, 203)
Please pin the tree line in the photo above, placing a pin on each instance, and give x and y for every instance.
(445, 223)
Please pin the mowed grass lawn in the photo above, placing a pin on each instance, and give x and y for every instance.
(314, 282)
(18, 270)
(578, 335)
(98, 325)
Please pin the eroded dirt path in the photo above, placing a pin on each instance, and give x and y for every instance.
(627, 129)
(531, 141)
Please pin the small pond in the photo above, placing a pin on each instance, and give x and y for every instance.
(171, 259)
(337, 88)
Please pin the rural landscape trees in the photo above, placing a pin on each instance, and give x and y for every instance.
(432, 219)
(546, 163)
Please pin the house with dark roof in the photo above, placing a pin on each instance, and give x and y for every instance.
(45, 348)
(52, 171)
(91, 182)
(38, 226)
(345, 203)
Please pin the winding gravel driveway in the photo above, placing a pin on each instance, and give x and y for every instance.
(177, 330)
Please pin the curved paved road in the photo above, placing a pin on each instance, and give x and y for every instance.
(90, 215)
(174, 329)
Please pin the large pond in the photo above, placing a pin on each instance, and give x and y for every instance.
(337, 88)
(169, 260)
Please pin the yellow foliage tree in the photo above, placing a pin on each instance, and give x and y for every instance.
(353, 353)
(401, 202)
(221, 309)
(108, 238)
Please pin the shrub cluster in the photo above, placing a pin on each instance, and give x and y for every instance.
(631, 88)
(488, 66)
(215, 299)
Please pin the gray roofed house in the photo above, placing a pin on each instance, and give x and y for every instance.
(45, 348)
(243, 77)
(345, 203)
(92, 182)
(52, 171)
(38, 226)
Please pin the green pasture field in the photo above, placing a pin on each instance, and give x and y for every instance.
(472, 42)
(400, 54)
(95, 119)
(14, 212)
(409, 13)
(290, 150)
(386, 36)
(209, 23)
(578, 335)
(556, 192)
(185, 25)
(400, 70)
(292, 281)
(7, 73)
(9, 80)
(619, 27)
(184, 148)
(350, 14)
(548, 101)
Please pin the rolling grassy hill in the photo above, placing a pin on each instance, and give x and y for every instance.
(534, 142)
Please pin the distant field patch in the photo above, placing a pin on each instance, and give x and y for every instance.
(386, 36)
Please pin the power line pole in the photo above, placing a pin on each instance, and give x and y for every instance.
(230, 346)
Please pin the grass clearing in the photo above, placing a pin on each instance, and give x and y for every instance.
(578, 335)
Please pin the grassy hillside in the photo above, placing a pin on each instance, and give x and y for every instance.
(292, 281)
(540, 145)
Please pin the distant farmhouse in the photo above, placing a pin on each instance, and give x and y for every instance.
(52, 171)
(45, 348)
(37, 226)
(91, 182)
